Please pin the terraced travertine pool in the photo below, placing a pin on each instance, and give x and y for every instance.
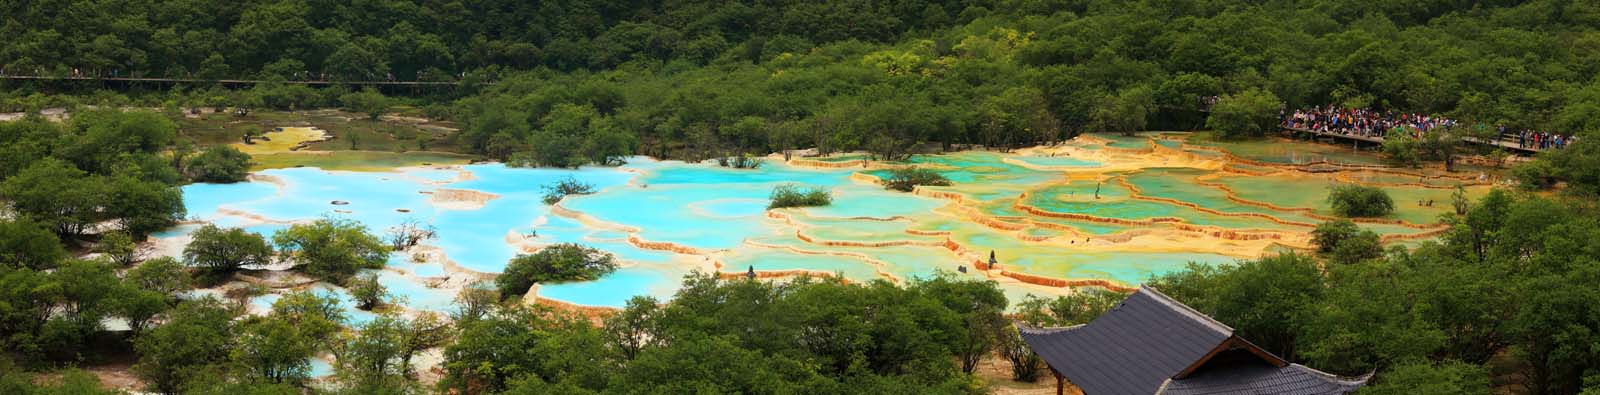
(1099, 210)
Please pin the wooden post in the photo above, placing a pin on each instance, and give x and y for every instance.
(1061, 386)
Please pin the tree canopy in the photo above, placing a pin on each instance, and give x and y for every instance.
(555, 263)
(1356, 200)
(1500, 283)
(219, 164)
(223, 251)
(331, 248)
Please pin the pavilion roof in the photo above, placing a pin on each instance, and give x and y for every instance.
(1150, 343)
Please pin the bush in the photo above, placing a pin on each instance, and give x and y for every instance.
(906, 179)
(331, 249)
(224, 251)
(1329, 234)
(1344, 243)
(367, 101)
(1440, 377)
(560, 262)
(1248, 114)
(1578, 165)
(220, 164)
(366, 290)
(1352, 200)
(1535, 175)
(27, 244)
(1360, 247)
(164, 275)
(195, 334)
(791, 195)
(119, 247)
(1400, 149)
(566, 186)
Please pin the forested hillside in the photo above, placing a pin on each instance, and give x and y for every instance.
(1504, 301)
(707, 79)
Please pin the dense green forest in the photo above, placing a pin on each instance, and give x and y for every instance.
(588, 82)
(1506, 299)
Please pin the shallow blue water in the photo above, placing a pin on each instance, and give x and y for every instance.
(373, 198)
(203, 200)
(615, 289)
(873, 201)
(415, 294)
(1058, 161)
(401, 262)
(320, 368)
(696, 205)
(663, 204)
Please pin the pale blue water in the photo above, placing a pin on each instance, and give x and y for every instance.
(202, 200)
(731, 208)
(695, 205)
(615, 289)
(320, 368)
(1058, 161)
(415, 294)
(402, 262)
(264, 303)
(352, 316)
(662, 205)
(871, 201)
(175, 231)
(475, 239)
(373, 197)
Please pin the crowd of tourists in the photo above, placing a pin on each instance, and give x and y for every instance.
(1542, 140)
(1361, 122)
(1375, 124)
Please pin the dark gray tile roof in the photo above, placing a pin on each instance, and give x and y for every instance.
(1138, 347)
(1263, 379)
(1132, 348)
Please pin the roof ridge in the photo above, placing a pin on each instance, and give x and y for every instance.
(1357, 380)
(1023, 327)
(1185, 309)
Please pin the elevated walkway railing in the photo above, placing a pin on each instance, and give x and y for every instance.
(1503, 142)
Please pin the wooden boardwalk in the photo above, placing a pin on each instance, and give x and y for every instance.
(1502, 143)
(226, 81)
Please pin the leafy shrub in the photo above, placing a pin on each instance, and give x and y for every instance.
(1352, 200)
(906, 179)
(1360, 247)
(791, 195)
(1438, 377)
(566, 186)
(560, 262)
(220, 164)
(119, 247)
(1248, 114)
(223, 251)
(1535, 175)
(367, 101)
(1345, 243)
(331, 249)
(1401, 149)
(27, 244)
(366, 290)
(1329, 234)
